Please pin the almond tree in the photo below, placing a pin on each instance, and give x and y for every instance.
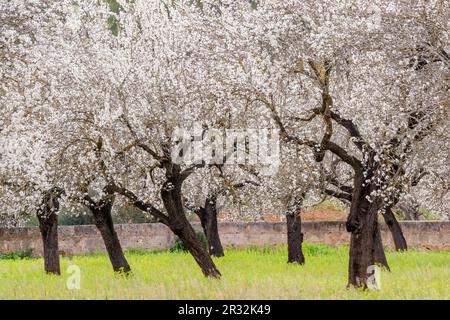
(23, 92)
(25, 191)
(297, 183)
(341, 79)
(383, 165)
(118, 100)
(220, 183)
(107, 106)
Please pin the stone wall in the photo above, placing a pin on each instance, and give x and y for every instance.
(423, 235)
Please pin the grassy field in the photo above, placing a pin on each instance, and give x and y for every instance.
(247, 274)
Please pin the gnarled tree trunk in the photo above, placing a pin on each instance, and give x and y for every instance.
(48, 226)
(379, 255)
(363, 250)
(294, 238)
(396, 230)
(366, 249)
(180, 226)
(208, 219)
(104, 223)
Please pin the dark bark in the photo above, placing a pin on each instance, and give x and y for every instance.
(180, 226)
(48, 226)
(362, 251)
(104, 223)
(389, 217)
(379, 255)
(396, 230)
(208, 219)
(294, 238)
(366, 248)
(187, 235)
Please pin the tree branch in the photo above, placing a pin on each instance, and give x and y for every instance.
(352, 130)
(339, 195)
(144, 206)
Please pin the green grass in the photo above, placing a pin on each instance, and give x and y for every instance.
(17, 255)
(253, 273)
(428, 214)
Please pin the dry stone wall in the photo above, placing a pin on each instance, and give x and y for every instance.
(422, 235)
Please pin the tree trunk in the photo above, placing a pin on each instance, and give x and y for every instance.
(379, 255)
(48, 226)
(396, 230)
(294, 238)
(208, 219)
(49, 231)
(362, 252)
(190, 240)
(180, 226)
(366, 249)
(104, 223)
